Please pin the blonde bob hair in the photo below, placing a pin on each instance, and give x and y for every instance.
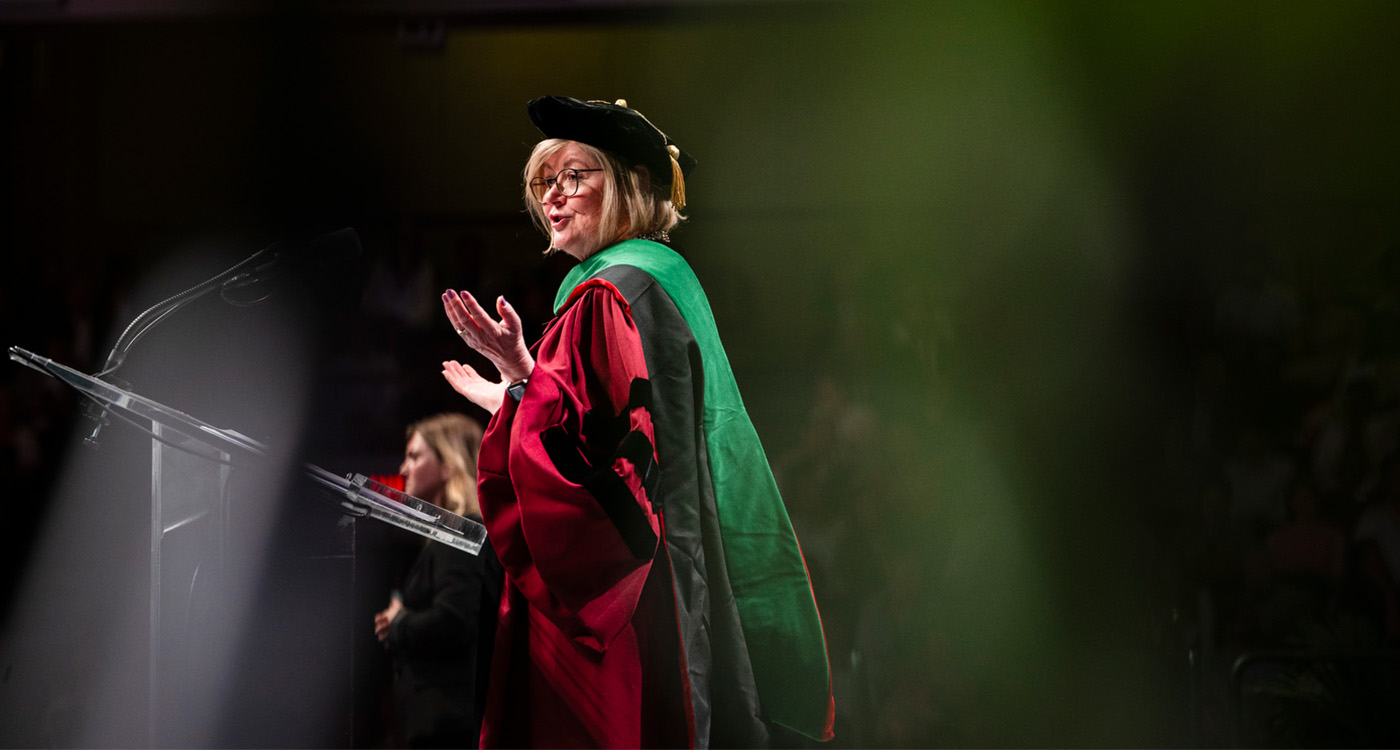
(456, 439)
(633, 205)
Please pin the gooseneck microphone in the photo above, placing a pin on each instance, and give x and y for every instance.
(262, 266)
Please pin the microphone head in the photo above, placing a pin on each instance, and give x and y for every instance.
(297, 258)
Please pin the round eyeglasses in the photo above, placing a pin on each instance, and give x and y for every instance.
(566, 182)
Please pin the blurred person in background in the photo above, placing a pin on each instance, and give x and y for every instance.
(656, 595)
(440, 625)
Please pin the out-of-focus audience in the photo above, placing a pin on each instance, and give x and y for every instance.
(1294, 535)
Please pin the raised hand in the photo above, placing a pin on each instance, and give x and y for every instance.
(468, 382)
(502, 342)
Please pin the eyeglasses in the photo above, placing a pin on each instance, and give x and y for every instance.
(566, 182)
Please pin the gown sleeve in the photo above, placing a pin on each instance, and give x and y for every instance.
(563, 472)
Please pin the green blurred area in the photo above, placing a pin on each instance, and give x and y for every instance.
(961, 254)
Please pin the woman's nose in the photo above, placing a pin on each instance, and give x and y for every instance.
(552, 195)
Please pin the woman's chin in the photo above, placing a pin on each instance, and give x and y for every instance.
(579, 250)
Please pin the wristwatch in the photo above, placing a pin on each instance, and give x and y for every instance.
(517, 389)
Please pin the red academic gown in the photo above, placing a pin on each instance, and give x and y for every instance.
(587, 651)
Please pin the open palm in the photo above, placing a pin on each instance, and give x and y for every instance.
(468, 382)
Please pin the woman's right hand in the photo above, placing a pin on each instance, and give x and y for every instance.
(501, 341)
(468, 382)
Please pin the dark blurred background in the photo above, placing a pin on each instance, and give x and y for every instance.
(1070, 328)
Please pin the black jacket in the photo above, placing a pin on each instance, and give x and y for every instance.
(441, 643)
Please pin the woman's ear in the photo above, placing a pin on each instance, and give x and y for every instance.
(643, 176)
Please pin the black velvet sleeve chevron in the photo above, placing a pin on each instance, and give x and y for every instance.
(601, 481)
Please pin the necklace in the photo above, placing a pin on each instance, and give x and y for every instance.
(660, 235)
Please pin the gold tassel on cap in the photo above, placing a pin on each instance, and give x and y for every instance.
(677, 179)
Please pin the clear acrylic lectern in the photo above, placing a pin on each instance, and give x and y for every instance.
(197, 470)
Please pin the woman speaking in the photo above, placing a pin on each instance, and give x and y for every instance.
(655, 595)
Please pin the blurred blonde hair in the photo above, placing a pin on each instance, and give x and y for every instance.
(456, 439)
(633, 205)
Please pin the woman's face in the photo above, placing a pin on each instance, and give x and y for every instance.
(425, 475)
(573, 220)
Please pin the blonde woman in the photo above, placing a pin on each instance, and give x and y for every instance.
(655, 595)
(441, 627)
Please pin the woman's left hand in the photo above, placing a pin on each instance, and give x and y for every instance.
(382, 620)
(468, 382)
(502, 342)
